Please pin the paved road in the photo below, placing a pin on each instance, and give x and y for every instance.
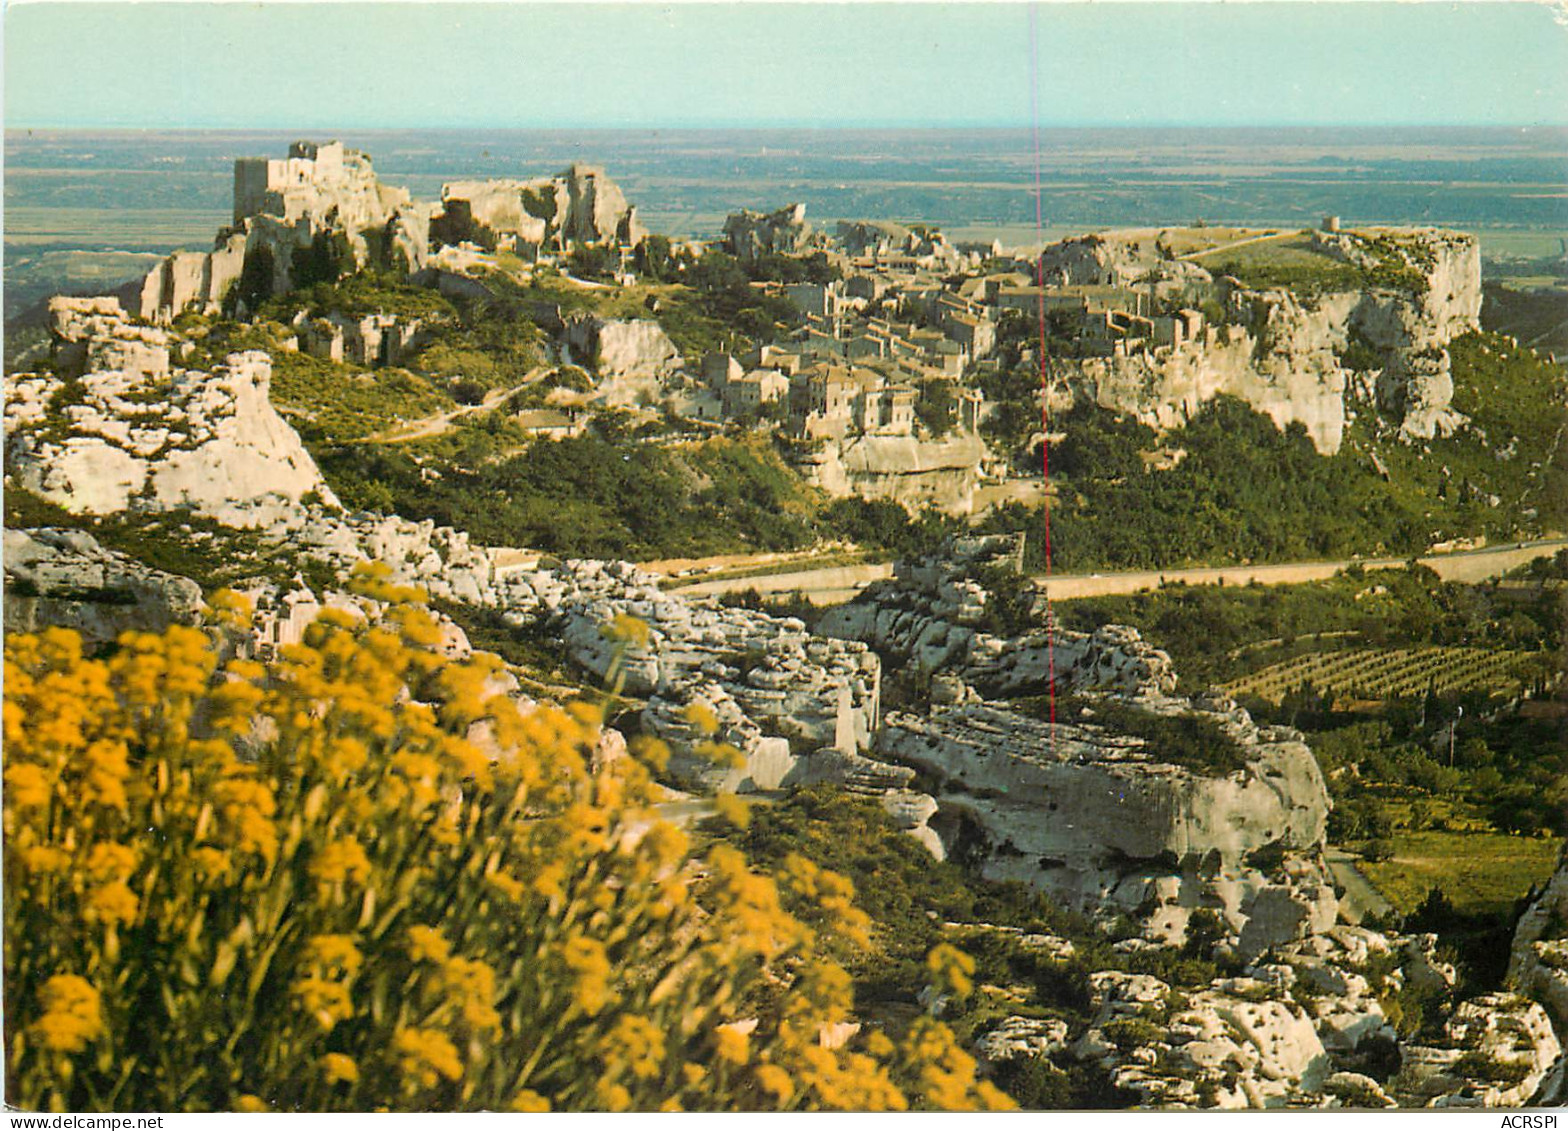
(838, 584)
(1468, 566)
(1361, 898)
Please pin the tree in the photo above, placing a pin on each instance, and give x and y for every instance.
(935, 407)
(410, 893)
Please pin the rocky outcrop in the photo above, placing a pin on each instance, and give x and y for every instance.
(1280, 351)
(579, 205)
(321, 201)
(154, 438)
(93, 334)
(932, 615)
(66, 579)
(913, 471)
(1538, 961)
(631, 357)
(748, 234)
(1100, 822)
(1497, 1051)
(1237, 1044)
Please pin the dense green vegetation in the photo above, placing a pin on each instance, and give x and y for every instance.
(588, 496)
(1247, 491)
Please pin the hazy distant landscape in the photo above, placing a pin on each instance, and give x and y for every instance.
(70, 192)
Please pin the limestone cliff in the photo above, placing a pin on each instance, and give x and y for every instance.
(1538, 963)
(748, 234)
(932, 614)
(145, 436)
(1282, 351)
(914, 471)
(1101, 821)
(580, 204)
(321, 201)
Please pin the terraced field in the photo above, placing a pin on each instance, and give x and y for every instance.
(1384, 673)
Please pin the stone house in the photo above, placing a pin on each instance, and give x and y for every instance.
(834, 401)
(551, 423)
(824, 300)
(749, 392)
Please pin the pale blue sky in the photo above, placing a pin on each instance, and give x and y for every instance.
(366, 65)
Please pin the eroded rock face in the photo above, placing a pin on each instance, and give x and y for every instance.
(1497, 1051)
(580, 204)
(151, 438)
(914, 471)
(748, 234)
(66, 579)
(1538, 961)
(319, 196)
(630, 356)
(1280, 352)
(1098, 821)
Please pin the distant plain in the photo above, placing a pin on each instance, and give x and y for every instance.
(70, 196)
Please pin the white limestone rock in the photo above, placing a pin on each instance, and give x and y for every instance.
(146, 440)
(1027, 1037)
(67, 579)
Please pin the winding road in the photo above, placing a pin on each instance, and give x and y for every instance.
(838, 584)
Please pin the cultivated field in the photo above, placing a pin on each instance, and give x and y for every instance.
(1386, 673)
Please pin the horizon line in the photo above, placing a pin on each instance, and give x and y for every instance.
(793, 124)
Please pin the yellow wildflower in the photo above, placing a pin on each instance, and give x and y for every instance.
(951, 969)
(733, 810)
(611, 1097)
(426, 944)
(339, 1069)
(72, 1014)
(701, 716)
(692, 1074)
(427, 1055)
(639, 1043)
(471, 983)
(326, 1000)
(108, 767)
(342, 859)
(26, 787)
(44, 860)
(775, 1081)
(590, 967)
(509, 886)
(530, 1102)
(212, 865)
(549, 879)
(732, 1045)
(112, 903)
(628, 629)
(335, 954)
(109, 861)
(251, 1105)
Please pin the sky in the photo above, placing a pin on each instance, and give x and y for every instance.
(530, 65)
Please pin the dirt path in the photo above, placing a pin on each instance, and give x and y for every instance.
(1235, 243)
(441, 421)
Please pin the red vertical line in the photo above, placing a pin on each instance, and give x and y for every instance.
(1045, 408)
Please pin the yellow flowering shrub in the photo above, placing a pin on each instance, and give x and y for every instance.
(358, 877)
